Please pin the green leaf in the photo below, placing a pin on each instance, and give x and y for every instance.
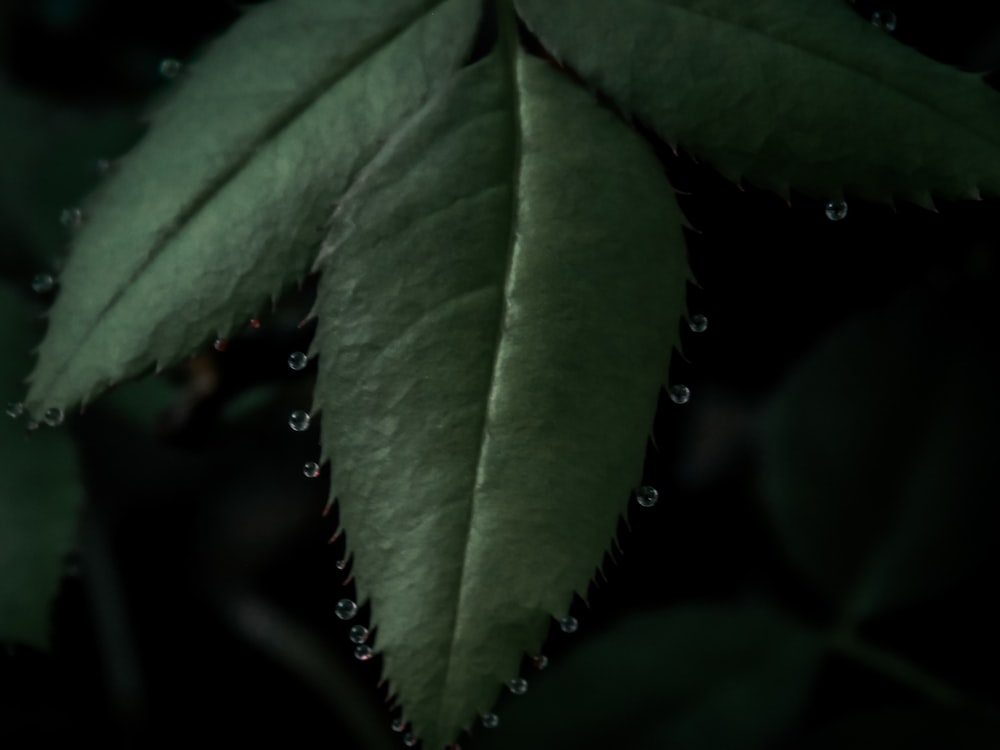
(804, 95)
(224, 203)
(498, 304)
(879, 453)
(39, 496)
(699, 676)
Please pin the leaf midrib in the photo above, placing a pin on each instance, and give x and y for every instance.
(509, 44)
(283, 120)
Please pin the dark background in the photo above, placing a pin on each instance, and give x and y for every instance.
(198, 513)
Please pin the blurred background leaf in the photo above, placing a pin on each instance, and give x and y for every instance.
(40, 493)
(53, 154)
(880, 454)
(726, 677)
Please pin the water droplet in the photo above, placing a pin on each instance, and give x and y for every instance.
(398, 725)
(647, 496)
(170, 68)
(490, 721)
(53, 417)
(341, 564)
(698, 323)
(836, 210)
(298, 360)
(311, 469)
(680, 394)
(299, 420)
(346, 609)
(71, 217)
(15, 409)
(541, 661)
(220, 345)
(103, 166)
(254, 323)
(363, 653)
(359, 634)
(885, 20)
(42, 283)
(409, 740)
(518, 686)
(568, 624)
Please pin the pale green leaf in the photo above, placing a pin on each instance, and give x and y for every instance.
(729, 677)
(39, 495)
(879, 454)
(224, 202)
(498, 304)
(800, 94)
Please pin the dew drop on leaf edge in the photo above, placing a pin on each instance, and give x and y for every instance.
(220, 345)
(53, 417)
(836, 210)
(42, 283)
(541, 661)
(409, 740)
(15, 409)
(298, 361)
(518, 686)
(299, 420)
(71, 217)
(358, 634)
(311, 469)
(885, 20)
(490, 721)
(698, 323)
(170, 68)
(346, 609)
(647, 496)
(363, 653)
(568, 624)
(679, 394)
(398, 725)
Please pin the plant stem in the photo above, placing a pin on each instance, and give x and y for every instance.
(897, 669)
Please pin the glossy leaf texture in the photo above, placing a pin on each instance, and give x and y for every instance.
(879, 454)
(499, 298)
(803, 94)
(225, 201)
(40, 496)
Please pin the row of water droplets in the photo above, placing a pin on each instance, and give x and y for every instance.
(299, 420)
(44, 282)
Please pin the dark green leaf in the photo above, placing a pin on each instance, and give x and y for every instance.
(499, 301)
(803, 95)
(224, 203)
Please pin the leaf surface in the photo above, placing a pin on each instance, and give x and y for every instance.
(223, 204)
(39, 496)
(730, 677)
(804, 95)
(879, 466)
(499, 299)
